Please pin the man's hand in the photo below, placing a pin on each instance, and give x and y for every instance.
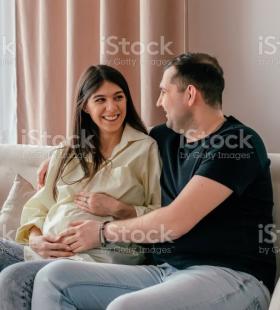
(41, 173)
(82, 235)
(49, 246)
(103, 205)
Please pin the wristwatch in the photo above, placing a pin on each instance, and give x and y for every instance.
(103, 240)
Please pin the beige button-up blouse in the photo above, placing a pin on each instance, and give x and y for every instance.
(131, 176)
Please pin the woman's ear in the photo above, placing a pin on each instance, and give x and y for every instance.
(85, 109)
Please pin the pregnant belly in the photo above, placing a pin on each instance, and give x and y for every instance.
(59, 218)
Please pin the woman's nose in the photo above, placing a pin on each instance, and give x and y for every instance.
(111, 105)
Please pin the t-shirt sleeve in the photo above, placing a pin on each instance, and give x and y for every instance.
(235, 165)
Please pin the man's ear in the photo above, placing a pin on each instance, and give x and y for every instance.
(190, 94)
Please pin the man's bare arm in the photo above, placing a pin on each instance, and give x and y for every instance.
(199, 197)
(42, 172)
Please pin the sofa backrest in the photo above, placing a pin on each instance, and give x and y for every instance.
(22, 159)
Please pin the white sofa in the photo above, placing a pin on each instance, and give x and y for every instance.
(19, 159)
(25, 159)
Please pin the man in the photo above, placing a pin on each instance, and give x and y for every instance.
(208, 236)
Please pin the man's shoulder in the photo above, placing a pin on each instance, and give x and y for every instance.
(236, 138)
(238, 132)
(234, 125)
(161, 132)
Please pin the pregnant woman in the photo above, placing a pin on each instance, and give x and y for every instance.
(110, 169)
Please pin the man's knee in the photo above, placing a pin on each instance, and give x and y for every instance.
(53, 273)
(127, 301)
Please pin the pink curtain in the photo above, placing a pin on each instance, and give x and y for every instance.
(57, 40)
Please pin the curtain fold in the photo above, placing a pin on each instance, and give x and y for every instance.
(163, 22)
(120, 22)
(57, 40)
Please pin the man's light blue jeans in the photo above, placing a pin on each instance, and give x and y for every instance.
(78, 285)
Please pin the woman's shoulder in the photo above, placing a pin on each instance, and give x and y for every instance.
(60, 152)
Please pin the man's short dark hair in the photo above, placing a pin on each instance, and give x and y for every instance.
(201, 70)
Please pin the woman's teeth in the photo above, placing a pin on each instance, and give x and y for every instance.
(111, 118)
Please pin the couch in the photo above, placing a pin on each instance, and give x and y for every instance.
(25, 159)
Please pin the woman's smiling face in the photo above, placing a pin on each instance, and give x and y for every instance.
(107, 108)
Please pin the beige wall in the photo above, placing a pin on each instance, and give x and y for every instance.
(231, 31)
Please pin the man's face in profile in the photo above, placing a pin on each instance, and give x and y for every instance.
(174, 102)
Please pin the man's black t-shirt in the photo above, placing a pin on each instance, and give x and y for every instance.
(236, 234)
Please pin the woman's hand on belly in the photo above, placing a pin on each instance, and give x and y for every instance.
(49, 246)
(103, 205)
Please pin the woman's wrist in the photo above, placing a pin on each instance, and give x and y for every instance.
(34, 232)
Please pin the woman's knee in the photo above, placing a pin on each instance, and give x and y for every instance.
(10, 253)
(15, 287)
(13, 275)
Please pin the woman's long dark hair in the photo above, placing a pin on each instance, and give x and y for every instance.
(86, 138)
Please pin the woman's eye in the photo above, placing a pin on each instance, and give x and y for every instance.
(100, 100)
(119, 98)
